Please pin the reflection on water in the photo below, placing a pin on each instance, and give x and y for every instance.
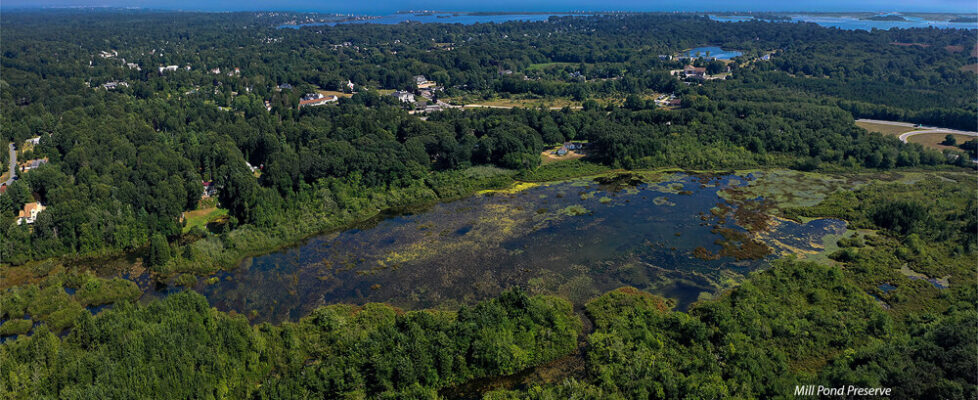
(576, 239)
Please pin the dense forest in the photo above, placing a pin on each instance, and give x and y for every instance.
(127, 166)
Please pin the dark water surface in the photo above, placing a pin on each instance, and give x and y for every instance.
(577, 239)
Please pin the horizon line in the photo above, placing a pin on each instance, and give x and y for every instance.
(311, 11)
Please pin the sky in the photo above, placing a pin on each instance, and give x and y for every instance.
(388, 6)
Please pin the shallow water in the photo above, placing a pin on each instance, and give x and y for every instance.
(577, 239)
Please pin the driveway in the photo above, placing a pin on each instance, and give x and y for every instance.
(13, 165)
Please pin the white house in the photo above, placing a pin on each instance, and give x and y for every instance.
(404, 97)
(29, 214)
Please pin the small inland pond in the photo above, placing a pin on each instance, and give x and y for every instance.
(669, 234)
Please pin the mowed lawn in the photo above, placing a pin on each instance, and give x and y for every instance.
(202, 217)
(335, 93)
(893, 130)
(527, 103)
(933, 140)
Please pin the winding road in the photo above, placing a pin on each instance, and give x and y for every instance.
(906, 135)
(13, 165)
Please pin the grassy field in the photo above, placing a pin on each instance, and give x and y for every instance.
(334, 93)
(933, 140)
(527, 103)
(202, 217)
(893, 130)
(554, 103)
(561, 170)
(548, 156)
(970, 67)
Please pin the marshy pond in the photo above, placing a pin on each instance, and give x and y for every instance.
(684, 237)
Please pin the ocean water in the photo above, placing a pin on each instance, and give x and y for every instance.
(852, 23)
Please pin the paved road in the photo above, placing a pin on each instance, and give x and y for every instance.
(446, 106)
(894, 123)
(511, 107)
(906, 135)
(13, 165)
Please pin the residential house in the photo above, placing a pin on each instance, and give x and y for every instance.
(34, 140)
(216, 70)
(285, 86)
(210, 189)
(423, 83)
(268, 106)
(316, 99)
(114, 85)
(168, 68)
(404, 97)
(29, 214)
(134, 66)
(694, 72)
(349, 85)
(32, 164)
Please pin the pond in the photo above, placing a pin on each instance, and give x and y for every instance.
(672, 235)
(711, 52)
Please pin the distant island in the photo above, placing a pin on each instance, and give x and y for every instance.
(890, 17)
(965, 19)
